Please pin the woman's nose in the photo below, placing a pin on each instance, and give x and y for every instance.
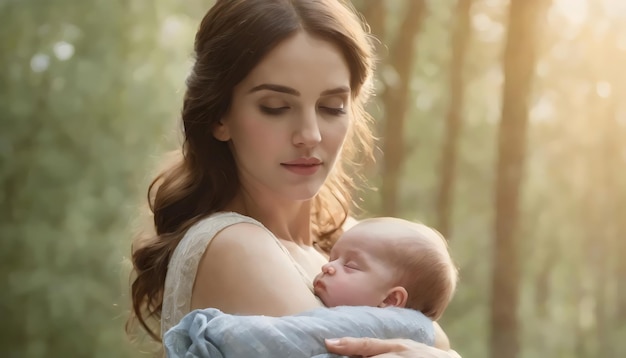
(308, 132)
(328, 269)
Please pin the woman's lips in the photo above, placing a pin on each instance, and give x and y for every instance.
(304, 161)
(303, 166)
(302, 169)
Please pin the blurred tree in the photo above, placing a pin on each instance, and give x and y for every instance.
(618, 248)
(396, 76)
(375, 14)
(454, 121)
(519, 65)
(83, 103)
(395, 100)
(602, 192)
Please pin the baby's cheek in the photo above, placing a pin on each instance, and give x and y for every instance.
(347, 296)
(335, 294)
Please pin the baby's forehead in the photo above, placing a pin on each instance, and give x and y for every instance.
(384, 232)
(356, 239)
(369, 237)
(382, 228)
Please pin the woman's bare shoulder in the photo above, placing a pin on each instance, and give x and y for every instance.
(244, 270)
(349, 223)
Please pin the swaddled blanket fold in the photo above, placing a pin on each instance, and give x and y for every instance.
(211, 333)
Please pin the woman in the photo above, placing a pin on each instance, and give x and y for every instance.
(272, 113)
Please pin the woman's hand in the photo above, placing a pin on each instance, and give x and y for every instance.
(385, 348)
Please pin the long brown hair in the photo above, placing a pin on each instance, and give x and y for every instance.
(232, 39)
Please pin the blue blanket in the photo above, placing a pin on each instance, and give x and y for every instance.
(211, 333)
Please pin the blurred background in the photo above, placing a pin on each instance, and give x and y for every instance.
(502, 123)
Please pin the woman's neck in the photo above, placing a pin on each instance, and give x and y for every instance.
(288, 220)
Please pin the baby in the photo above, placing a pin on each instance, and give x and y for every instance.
(386, 262)
(381, 262)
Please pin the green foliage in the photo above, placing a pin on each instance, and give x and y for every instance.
(86, 100)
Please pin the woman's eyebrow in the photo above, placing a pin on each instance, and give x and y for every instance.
(275, 88)
(338, 90)
(294, 92)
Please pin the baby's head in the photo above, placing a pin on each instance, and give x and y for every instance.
(389, 262)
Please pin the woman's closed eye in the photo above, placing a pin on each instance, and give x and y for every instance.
(334, 111)
(334, 106)
(271, 110)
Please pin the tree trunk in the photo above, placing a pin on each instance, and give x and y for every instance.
(619, 327)
(453, 121)
(619, 319)
(395, 101)
(605, 158)
(615, 147)
(519, 64)
(609, 157)
(597, 214)
(542, 282)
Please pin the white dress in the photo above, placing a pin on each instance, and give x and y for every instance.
(183, 265)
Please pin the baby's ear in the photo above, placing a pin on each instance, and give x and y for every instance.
(396, 297)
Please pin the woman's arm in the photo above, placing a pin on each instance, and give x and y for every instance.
(245, 271)
(441, 338)
(372, 347)
(209, 330)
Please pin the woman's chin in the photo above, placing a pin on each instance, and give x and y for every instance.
(304, 193)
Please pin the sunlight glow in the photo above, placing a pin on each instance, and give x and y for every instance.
(620, 117)
(487, 29)
(621, 44)
(543, 110)
(172, 29)
(575, 11)
(615, 8)
(39, 62)
(586, 316)
(63, 50)
(603, 89)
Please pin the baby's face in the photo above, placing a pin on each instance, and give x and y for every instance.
(356, 274)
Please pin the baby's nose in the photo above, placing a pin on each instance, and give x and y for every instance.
(328, 269)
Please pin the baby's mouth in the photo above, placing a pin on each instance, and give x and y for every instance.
(318, 285)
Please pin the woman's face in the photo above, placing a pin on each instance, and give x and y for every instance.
(289, 118)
